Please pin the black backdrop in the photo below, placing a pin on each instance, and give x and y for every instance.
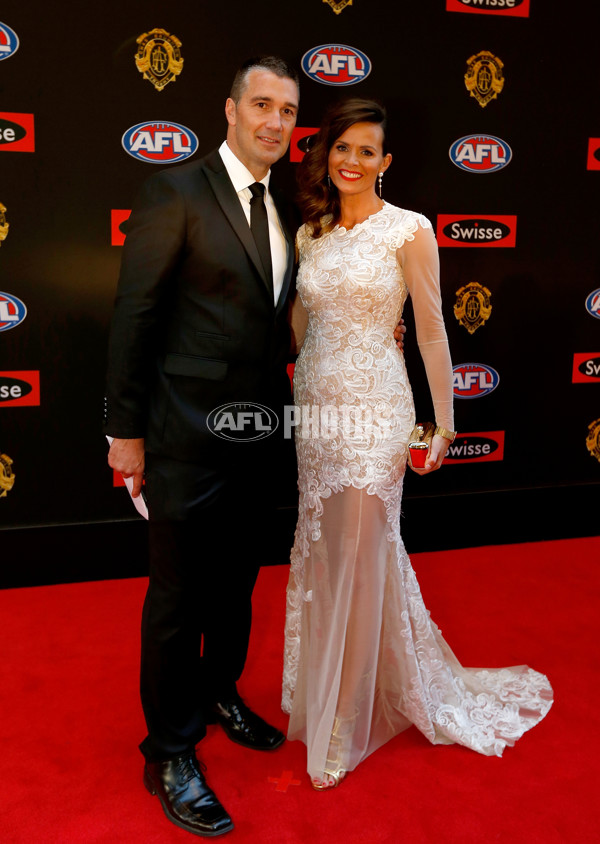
(75, 72)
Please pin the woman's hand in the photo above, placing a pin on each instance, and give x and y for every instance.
(399, 332)
(437, 452)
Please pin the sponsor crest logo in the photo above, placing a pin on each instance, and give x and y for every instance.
(159, 57)
(484, 78)
(242, 421)
(4, 226)
(473, 306)
(20, 388)
(338, 5)
(593, 161)
(516, 8)
(476, 448)
(9, 42)
(473, 380)
(118, 218)
(16, 132)
(12, 311)
(592, 441)
(336, 64)
(586, 368)
(480, 153)
(592, 303)
(7, 476)
(159, 142)
(482, 230)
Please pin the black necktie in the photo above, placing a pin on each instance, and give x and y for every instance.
(259, 226)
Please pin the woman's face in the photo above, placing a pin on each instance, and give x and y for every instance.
(356, 158)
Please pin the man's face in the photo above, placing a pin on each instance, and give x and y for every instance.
(261, 124)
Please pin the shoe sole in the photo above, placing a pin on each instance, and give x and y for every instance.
(152, 789)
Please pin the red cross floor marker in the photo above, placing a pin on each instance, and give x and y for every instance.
(284, 781)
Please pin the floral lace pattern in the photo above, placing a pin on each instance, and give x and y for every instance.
(348, 562)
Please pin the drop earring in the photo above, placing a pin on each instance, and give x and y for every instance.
(329, 181)
(380, 179)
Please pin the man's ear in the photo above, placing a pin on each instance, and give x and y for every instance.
(230, 111)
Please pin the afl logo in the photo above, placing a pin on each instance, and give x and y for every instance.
(242, 421)
(12, 311)
(473, 380)
(480, 153)
(9, 42)
(592, 303)
(159, 142)
(336, 64)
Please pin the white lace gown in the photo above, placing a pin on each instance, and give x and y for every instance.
(360, 644)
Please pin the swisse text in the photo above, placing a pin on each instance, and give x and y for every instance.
(480, 447)
(13, 392)
(591, 368)
(8, 135)
(479, 230)
(10, 132)
(471, 449)
(20, 389)
(472, 230)
(507, 4)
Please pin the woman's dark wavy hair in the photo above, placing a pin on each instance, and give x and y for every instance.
(315, 196)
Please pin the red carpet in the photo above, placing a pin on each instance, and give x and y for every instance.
(70, 718)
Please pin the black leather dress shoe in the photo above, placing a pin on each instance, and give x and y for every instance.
(186, 798)
(245, 727)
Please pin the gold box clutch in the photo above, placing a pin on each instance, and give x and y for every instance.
(419, 444)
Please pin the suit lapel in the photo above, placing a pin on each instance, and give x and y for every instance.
(228, 199)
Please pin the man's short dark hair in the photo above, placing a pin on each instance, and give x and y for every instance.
(274, 64)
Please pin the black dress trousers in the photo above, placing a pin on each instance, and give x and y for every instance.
(208, 537)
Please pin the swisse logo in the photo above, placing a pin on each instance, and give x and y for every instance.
(12, 311)
(158, 142)
(586, 368)
(16, 132)
(518, 8)
(592, 303)
(19, 389)
(473, 380)
(9, 42)
(480, 153)
(336, 64)
(242, 421)
(476, 448)
(456, 230)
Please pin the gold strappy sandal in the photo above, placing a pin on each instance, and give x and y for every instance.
(338, 754)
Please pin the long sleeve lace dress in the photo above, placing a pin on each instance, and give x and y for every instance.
(363, 659)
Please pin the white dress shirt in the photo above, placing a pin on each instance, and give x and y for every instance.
(241, 179)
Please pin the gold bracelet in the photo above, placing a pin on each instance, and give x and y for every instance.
(444, 432)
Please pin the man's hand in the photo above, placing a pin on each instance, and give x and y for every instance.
(399, 332)
(437, 452)
(127, 457)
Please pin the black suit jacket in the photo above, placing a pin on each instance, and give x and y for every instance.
(194, 325)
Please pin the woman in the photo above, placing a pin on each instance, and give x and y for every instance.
(363, 660)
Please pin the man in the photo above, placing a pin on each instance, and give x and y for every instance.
(201, 321)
